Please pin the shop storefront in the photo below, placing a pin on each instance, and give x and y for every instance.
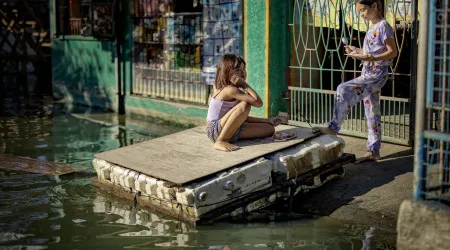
(177, 42)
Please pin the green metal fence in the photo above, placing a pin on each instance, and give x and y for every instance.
(318, 65)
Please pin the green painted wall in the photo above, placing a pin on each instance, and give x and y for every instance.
(180, 113)
(256, 36)
(83, 68)
(278, 53)
(84, 71)
(278, 61)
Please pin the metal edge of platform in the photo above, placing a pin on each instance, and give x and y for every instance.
(327, 168)
(213, 215)
(206, 177)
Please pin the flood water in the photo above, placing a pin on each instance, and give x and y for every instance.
(67, 212)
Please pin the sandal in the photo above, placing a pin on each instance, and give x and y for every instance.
(283, 118)
(283, 136)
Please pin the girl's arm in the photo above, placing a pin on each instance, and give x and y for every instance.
(391, 51)
(249, 95)
(249, 91)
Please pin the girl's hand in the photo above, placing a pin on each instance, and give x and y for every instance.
(238, 81)
(234, 80)
(349, 49)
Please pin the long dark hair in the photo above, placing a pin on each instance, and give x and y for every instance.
(225, 67)
(380, 4)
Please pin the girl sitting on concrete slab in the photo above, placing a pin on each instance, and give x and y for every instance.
(228, 117)
(376, 55)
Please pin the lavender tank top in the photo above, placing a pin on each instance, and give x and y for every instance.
(218, 108)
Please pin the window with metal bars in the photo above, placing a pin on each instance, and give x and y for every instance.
(167, 50)
(86, 18)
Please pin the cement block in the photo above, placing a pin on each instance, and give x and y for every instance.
(331, 148)
(308, 155)
(140, 183)
(185, 196)
(116, 173)
(102, 168)
(123, 174)
(150, 186)
(423, 225)
(105, 173)
(165, 191)
(130, 180)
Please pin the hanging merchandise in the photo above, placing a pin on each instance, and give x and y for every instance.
(222, 24)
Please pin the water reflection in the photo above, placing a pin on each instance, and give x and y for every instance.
(63, 138)
(158, 231)
(154, 225)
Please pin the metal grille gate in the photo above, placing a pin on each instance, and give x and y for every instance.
(318, 65)
(432, 181)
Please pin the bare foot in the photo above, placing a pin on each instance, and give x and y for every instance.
(225, 146)
(324, 130)
(368, 156)
(371, 155)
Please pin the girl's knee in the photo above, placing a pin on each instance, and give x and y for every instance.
(340, 91)
(270, 130)
(243, 107)
(341, 88)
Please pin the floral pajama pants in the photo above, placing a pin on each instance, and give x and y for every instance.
(367, 87)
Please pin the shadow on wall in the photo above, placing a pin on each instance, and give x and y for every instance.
(84, 72)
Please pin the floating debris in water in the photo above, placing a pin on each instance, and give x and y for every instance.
(78, 220)
(26, 164)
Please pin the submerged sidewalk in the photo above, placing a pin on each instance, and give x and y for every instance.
(370, 192)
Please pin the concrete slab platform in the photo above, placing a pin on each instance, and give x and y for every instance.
(188, 155)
